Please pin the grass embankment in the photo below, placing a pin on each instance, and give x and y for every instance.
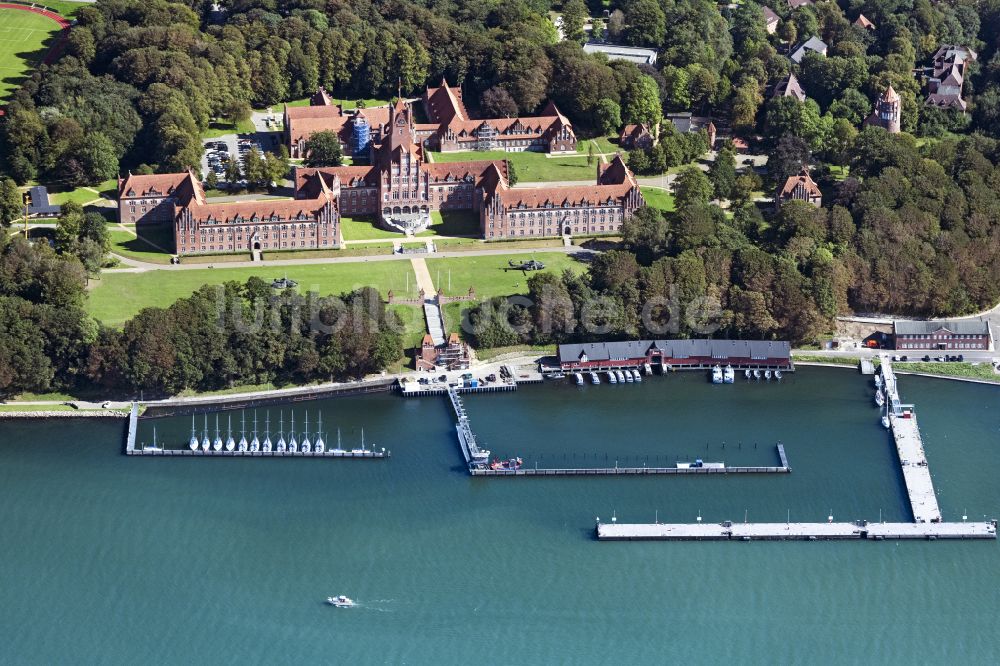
(951, 369)
(85, 193)
(149, 244)
(15, 407)
(119, 296)
(489, 354)
(458, 223)
(818, 358)
(222, 128)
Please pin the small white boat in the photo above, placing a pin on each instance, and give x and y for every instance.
(878, 381)
(885, 420)
(628, 376)
(230, 442)
(340, 601)
(153, 446)
(728, 376)
(746, 373)
(636, 375)
(255, 443)
(756, 374)
(647, 368)
(594, 379)
(777, 375)
(320, 444)
(611, 377)
(620, 376)
(716, 375)
(339, 450)
(767, 374)
(578, 378)
(879, 398)
(293, 444)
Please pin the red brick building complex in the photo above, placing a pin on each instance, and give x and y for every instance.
(400, 190)
(958, 335)
(312, 222)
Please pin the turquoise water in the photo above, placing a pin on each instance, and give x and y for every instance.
(117, 560)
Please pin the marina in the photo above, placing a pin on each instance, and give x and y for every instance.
(204, 446)
(923, 502)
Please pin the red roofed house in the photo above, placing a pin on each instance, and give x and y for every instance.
(635, 136)
(800, 188)
(452, 355)
(864, 23)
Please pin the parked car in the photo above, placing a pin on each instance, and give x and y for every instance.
(926, 358)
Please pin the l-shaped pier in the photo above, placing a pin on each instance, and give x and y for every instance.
(926, 523)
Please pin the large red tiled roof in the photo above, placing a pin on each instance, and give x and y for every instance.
(182, 185)
(300, 129)
(263, 209)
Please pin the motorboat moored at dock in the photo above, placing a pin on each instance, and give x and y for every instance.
(636, 375)
(716, 375)
(620, 376)
(594, 379)
(700, 464)
(611, 377)
(728, 375)
(511, 464)
(578, 378)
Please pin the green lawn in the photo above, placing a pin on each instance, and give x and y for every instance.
(118, 296)
(532, 166)
(216, 129)
(454, 223)
(489, 274)
(152, 245)
(62, 7)
(657, 198)
(970, 370)
(605, 144)
(347, 104)
(84, 193)
(447, 223)
(25, 37)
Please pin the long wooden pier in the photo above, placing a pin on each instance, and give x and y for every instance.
(730, 531)
(636, 471)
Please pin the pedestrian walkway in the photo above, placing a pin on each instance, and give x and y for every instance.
(423, 276)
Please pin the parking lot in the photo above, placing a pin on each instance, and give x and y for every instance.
(220, 150)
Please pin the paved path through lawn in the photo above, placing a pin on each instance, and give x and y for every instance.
(423, 276)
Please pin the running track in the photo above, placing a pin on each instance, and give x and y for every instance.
(63, 23)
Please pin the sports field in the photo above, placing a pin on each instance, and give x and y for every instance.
(24, 39)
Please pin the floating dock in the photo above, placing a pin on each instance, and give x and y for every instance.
(919, 488)
(729, 531)
(211, 453)
(708, 468)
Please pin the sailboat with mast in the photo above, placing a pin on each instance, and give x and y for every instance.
(320, 444)
(339, 450)
(243, 432)
(293, 444)
(206, 443)
(306, 444)
(255, 443)
(154, 447)
(193, 444)
(267, 433)
(230, 443)
(217, 442)
(362, 449)
(280, 447)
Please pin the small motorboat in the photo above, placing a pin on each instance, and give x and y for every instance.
(878, 381)
(717, 375)
(728, 376)
(879, 398)
(777, 375)
(628, 376)
(885, 420)
(340, 601)
(636, 375)
(746, 373)
(620, 376)
(756, 374)
(611, 377)
(767, 374)
(594, 379)
(578, 378)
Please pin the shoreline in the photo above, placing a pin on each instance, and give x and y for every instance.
(971, 380)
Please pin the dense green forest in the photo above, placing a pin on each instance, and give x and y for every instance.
(220, 336)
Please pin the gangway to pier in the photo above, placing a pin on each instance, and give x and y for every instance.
(475, 457)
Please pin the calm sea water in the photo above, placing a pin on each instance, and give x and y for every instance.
(115, 560)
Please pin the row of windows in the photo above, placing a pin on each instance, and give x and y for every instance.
(953, 345)
(265, 245)
(554, 231)
(939, 336)
(284, 234)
